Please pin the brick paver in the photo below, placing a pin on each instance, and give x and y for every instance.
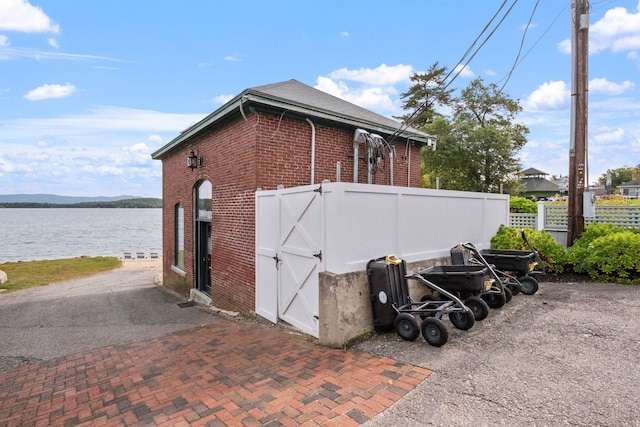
(227, 373)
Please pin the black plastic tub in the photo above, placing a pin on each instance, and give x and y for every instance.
(458, 278)
(509, 260)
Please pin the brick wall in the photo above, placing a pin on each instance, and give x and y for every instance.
(263, 152)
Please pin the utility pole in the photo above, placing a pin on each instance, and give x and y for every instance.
(578, 133)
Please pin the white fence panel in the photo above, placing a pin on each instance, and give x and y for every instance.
(368, 221)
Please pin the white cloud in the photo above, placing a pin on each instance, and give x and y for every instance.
(103, 169)
(223, 99)
(7, 53)
(382, 75)
(371, 88)
(138, 154)
(374, 98)
(564, 46)
(20, 15)
(605, 86)
(618, 30)
(548, 95)
(53, 43)
(105, 149)
(231, 58)
(156, 140)
(50, 91)
(345, 34)
(606, 135)
(100, 120)
(4, 40)
(464, 71)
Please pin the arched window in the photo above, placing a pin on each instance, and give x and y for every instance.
(204, 195)
(179, 236)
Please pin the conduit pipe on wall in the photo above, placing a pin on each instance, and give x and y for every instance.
(313, 151)
(409, 165)
(359, 137)
(390, 167)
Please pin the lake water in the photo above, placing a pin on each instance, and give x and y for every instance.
(36, 234)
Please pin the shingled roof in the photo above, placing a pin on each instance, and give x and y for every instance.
(298, 98)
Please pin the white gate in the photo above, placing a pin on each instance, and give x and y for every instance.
(289, 256)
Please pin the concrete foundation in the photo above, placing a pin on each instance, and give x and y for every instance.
(345, 306)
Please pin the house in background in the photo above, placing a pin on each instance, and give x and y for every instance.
(630, 189)
(283, 134)
(537, 185)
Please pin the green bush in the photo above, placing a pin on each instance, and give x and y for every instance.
(578, 254)
(550, 251)
(522, 205)
(615, 258)
(507, 238)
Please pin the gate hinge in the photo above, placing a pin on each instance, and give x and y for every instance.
(318, 190)
(318, 255)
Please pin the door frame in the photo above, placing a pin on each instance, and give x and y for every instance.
(203, 243)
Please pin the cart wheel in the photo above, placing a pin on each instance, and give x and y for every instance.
(508, 295)
(435, 332)
(407, 326)
(479, 308)
(514, 286)
(463, 320)
(495, 300)
(529, 285)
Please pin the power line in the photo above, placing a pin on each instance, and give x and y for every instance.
(524, 35)
(458, 68)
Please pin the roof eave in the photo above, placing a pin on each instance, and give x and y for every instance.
(221, 112)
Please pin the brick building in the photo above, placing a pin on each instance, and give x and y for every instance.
(285, 134)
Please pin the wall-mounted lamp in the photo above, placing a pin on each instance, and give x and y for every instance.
(193, 160)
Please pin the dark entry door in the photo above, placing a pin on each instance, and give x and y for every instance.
(203, 264)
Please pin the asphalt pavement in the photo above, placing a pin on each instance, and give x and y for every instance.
(110, 308)
(567, 355)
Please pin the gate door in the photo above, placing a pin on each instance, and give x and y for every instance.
(300, 247)
(267, 261)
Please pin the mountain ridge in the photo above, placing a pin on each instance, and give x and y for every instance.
(60, 200)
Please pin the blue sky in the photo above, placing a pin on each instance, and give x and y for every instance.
(88, 89)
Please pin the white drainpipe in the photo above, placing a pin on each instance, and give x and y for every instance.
(313, 151)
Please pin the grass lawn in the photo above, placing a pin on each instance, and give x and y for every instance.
(23, 275)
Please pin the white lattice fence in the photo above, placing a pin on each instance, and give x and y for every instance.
(523, 220)
(624, 216)
(555, 217)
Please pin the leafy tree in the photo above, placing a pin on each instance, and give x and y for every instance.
(427, 93)
(620, 176)
(477, 147)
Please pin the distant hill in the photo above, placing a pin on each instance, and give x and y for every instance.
(78, 202)
(58, 200)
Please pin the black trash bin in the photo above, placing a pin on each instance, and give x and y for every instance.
(388, 288)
